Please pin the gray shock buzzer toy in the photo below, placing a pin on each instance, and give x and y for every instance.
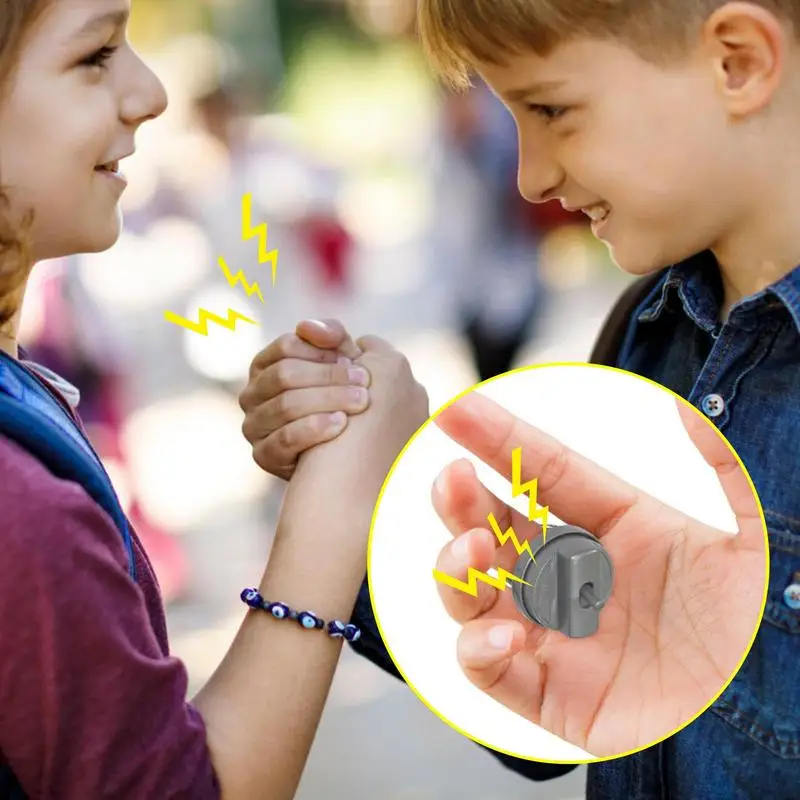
(570, 578)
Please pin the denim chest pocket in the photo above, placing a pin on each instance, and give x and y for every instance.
(763, 700)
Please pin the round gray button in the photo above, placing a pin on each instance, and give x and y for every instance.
(713, 405)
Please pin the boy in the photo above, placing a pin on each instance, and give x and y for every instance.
(674, 127)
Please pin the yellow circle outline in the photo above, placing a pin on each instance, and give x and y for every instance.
(386, 483)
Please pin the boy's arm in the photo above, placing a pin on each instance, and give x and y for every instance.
(371, 647)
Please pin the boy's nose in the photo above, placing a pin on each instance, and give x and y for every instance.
(146, 97)
(539, 176)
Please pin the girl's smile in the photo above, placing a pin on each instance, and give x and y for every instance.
(111, 171)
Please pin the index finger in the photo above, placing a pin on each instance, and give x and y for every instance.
(290, 346)
(576, 489)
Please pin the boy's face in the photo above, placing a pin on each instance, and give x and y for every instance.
(649, 146)
(78, 96)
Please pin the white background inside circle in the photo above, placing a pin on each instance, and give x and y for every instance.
(625, 424)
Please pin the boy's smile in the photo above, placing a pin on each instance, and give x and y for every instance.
(79, 94)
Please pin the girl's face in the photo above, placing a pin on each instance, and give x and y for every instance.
(70, 115)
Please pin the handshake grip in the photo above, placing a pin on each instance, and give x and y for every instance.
(567, 582)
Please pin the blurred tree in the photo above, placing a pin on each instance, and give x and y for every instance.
(251, 28)
(298, 18)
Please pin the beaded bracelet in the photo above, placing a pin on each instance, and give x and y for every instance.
(307, 619)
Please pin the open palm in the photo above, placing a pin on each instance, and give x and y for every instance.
(684, 608)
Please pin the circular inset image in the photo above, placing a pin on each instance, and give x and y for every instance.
(568, 563)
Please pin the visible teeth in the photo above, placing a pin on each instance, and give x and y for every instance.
(596, 213)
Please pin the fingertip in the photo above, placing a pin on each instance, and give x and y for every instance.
(440, 485)
(487, 645)
(500, 638)
(336, 422)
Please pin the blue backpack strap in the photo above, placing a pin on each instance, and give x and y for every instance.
(34, 420)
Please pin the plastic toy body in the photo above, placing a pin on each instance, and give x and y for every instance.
(570, 579)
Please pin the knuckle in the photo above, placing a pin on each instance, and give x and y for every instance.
(285, 344)
(283, 405)
(285, 437)
(283, 375)
(262, 456)
(554, 466)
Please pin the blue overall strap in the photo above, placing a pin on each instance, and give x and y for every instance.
(34, 419)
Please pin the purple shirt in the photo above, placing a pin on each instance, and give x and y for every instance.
(91, 702)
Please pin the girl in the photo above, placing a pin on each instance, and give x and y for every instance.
(91, 702)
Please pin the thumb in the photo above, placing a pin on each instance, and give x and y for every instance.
(485, 650)
(328, 334)
(735, 482)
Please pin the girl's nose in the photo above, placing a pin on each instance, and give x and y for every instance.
(145, 98)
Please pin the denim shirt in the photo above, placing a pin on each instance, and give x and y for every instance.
(745, 376)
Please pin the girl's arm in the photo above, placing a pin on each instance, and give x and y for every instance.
(263, 705)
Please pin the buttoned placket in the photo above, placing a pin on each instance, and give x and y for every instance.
(738, 347)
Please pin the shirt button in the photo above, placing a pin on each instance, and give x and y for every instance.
(713, 405)
(791, 594)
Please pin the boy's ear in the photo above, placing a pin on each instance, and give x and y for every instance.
(748, 47)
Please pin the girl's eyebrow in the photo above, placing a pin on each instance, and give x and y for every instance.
(114, 19)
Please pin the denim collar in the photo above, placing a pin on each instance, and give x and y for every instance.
(697, 284)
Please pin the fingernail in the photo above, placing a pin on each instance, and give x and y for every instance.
(336, 420)
(440, 484)
(358, 375)
(357, 395)
(318, 324)
(344, 360)
(501, 636)
(461, 548)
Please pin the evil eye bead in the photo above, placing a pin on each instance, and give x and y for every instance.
(352, 633)
(309, 620)
(252, 598)
(336, 629)
(279, 610)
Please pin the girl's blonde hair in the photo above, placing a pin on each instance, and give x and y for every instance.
(17, 18)
(457, 35)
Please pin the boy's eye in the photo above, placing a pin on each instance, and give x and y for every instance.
(99, 58)
(549, 113)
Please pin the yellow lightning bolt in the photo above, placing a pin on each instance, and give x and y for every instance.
(517, 488)
(239, 277)
(524, 547)
(248, 232)
(205, 316)
(475, 575)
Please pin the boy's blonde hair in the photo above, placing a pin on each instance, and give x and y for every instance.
(17, 18)
(459, 34)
